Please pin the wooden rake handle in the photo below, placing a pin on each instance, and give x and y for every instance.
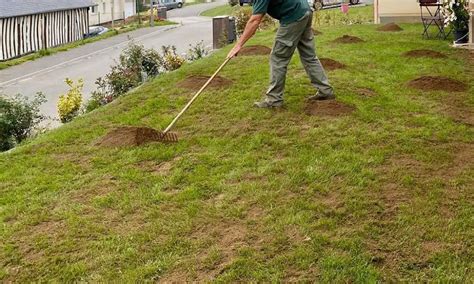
(195, 96)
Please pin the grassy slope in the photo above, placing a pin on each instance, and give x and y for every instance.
(384, 193)
(66, 47)
(220, 10)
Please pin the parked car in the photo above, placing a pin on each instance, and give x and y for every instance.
(96, 30)
(242, 2)
(169, 4)
(319, 4)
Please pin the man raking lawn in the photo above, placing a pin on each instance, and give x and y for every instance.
(295, 32)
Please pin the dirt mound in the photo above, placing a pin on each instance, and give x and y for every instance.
(437, 83)
(129, 136)
(197, 81)
(391, 27)
(316, 32)
(330, 64)
(348, 39)
(424, 53)
(255, 50)
(328, 108)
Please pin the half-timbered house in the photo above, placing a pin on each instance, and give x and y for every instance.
(31, 25)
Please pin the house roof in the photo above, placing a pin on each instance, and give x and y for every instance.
(13, 8)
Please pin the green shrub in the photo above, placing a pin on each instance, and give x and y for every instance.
(69, 104)
(135, 65)
(171, 60)
(243, 15)
(99, 97)
(196, 51)
(232, 3)
(18, 119)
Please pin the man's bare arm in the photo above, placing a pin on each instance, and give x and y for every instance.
(250, 29)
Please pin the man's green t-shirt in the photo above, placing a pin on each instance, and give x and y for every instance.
(287, 11)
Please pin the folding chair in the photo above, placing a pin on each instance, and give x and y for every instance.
(431, 15)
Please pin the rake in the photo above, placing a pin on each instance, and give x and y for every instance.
(166, 135)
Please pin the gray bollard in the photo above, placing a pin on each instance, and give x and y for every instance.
(223, 31)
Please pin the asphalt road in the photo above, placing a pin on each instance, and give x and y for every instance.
(93, 60)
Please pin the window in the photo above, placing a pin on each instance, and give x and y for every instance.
(93, 10)
(104, 7)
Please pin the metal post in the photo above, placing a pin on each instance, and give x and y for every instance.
(152, 20)
(138, 12)
(471, 22)
(112, 9)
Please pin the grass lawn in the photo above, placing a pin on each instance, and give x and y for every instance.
(66, 47)
(222, 10)
(188, 3)
(384, 193)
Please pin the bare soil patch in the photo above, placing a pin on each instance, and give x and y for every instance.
(157, 168)
(107, 184)
(388, 252)
(226, 238)
(391, 27)
(366, 92)
(255, 50)
(348, 39)
(437, 83)
(129, 136)
(458, 109)
(328, 108)
(331, 64)
(424, 53)
(195, 82)
(316, 32)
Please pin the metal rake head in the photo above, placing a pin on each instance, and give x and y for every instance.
(168, 137)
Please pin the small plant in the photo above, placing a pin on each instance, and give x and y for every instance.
(19, 117)
(171, 60)
(99, 97)
(197, 51)
(232, 3)
(70, 103)
(44, 52)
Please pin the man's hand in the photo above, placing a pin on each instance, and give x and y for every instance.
(249, 31)
(234, 51)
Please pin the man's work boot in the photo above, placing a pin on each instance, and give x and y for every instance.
(266, 104)
(321, 97)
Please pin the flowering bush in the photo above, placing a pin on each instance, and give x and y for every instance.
(456, 14)
(171, 59)
(70, 103)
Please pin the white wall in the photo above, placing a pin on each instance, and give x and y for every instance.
(396, 10)
(103, 11)
(130, 8)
